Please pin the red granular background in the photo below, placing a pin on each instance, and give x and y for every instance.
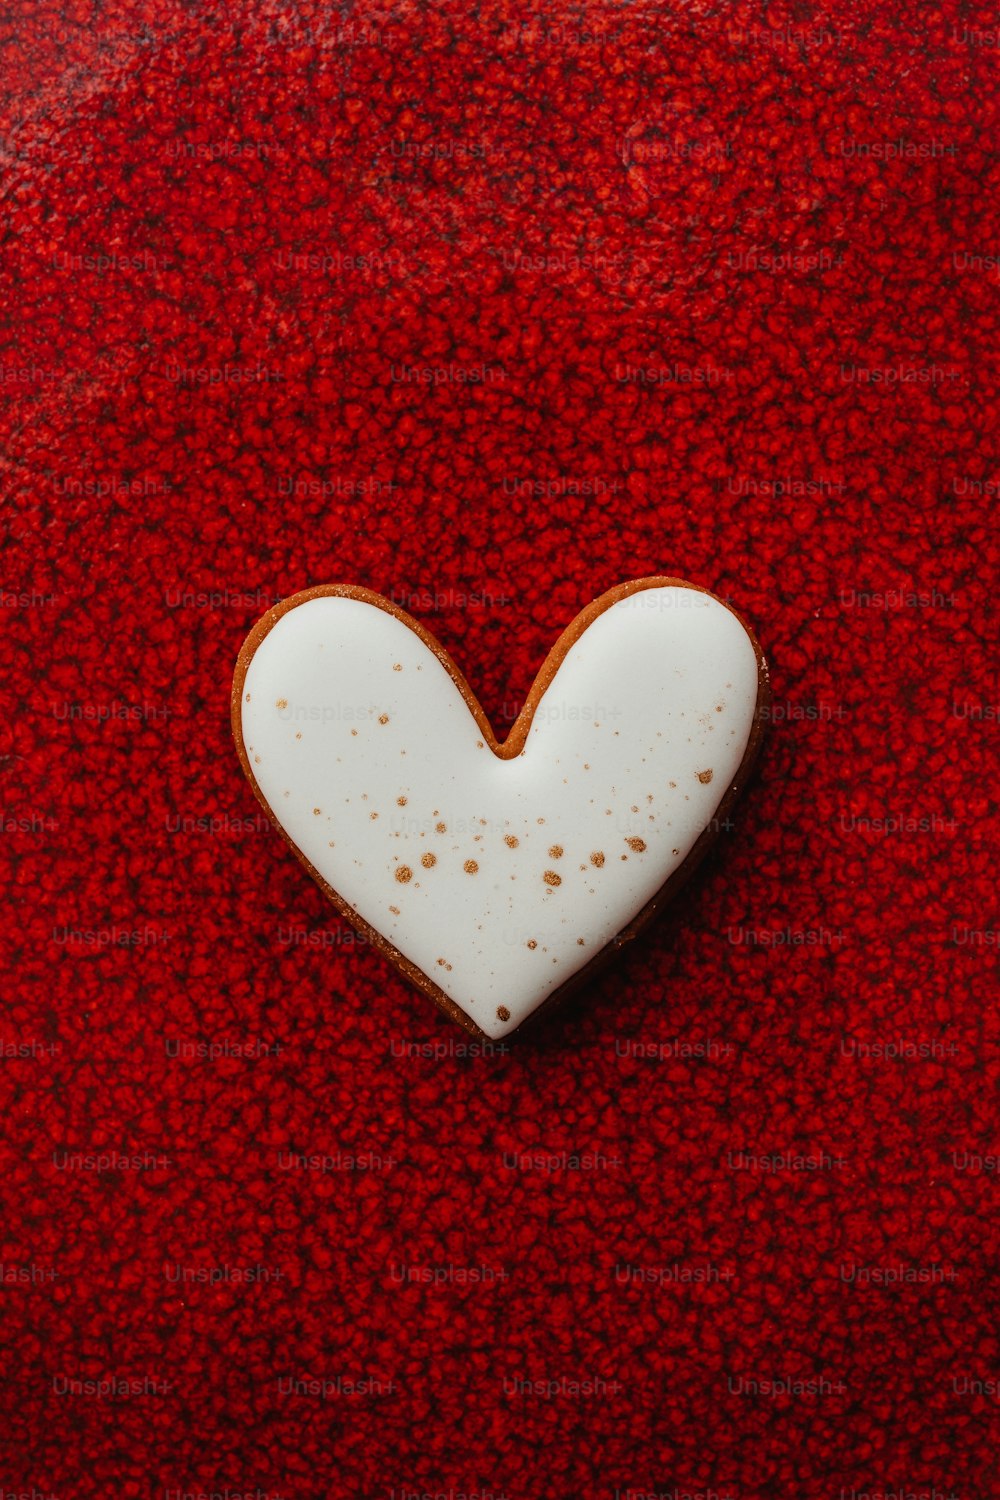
(790, 218)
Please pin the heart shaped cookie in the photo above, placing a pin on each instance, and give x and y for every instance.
(496, 876)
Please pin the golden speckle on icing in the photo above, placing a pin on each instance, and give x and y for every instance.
(470, 867)
(551, 878)
(403, 874)
(383, 718)
(705, 777)
(397, 666)
(440, 828)
(638, 846)
(503, 1014)
(317, 811)
(510, 840)
(281, 703)
(597, 858)
(532, 943)
(394, 910)
(428, 861)
(354, 731)
(556, 852)
(400, 801)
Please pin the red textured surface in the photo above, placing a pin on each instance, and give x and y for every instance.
(551, 210)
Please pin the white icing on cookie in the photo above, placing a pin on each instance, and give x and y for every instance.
(499, 878)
